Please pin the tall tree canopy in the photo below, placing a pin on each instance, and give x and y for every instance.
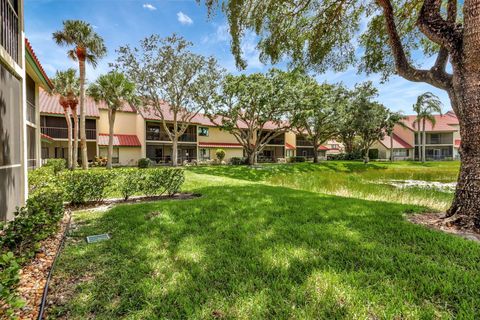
(254, 108)
(173, 79)
(320, 34)
(317, 115)
(88, 47)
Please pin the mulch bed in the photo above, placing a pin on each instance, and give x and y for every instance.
(438, 221)
(33, 276)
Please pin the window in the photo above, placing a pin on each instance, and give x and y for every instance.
(203, 131)
(115, 154)
(45, 153)
(204, 154)
(400, 152)
(334, 146)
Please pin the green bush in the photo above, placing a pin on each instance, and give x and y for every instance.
(57, 164)
(296, 159)
(159, 181)
(82, 186)
(220, 153)
(144, 163)
(237, 161)
(9, 278)
(20, 238)
(128, 181)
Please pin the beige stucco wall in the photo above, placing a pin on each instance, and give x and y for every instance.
(229, 153)
(91, 148)
(218, 136)
(140, 130)
(125, 122)
(127, 156)
(290, 138)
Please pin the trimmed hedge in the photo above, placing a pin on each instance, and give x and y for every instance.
(81, 185)
(144, 163)
(93, 185)
(56, 164)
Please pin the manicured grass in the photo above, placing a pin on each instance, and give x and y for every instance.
(251, 250)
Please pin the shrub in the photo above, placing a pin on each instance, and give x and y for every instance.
(82, 186)
(128, 181)
(238, 161)
(220, 153)
(356, 155)
(156, 182)
(57, 165)
(144, 163)
(9, 278)
(296, 159)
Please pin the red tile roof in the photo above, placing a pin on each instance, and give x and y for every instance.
(50, 104)
(28, 46)
(126, 107)
(150, 113)
(219, 145)
(398, 143)
(119, 140)
(323, 148)
(443, 122)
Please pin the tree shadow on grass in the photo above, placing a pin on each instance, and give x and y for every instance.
(268, 252)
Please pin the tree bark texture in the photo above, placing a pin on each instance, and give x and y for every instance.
(83, 135)
(111, 123)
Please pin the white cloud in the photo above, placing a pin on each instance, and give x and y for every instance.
(149, 6)
(184, 19)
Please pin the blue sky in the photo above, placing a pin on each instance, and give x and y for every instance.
(122, 22)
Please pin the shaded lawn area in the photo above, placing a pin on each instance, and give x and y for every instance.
(253, 251)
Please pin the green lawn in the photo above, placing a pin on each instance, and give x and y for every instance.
(252, 248)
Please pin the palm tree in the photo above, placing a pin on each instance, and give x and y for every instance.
(88, 47)
(66, 85)
(427, 104)
(394, 118)
(115, 90)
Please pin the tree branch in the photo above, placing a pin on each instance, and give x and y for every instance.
(403, 66)
(445, 33)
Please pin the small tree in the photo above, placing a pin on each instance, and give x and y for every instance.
(115, 90)
(88, 47)
(174, 80)
(253, 108)
(426, 105)
(220, 153)
(66, 85)
(317, 117)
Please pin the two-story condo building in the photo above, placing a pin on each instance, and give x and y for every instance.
(442, 139)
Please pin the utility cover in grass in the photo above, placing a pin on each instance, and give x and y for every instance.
(98, 238)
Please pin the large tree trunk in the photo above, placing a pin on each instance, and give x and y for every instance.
(315, 153)
(111, 123)
(83, 135)
(69, 138)
(251, 158)
(75, 137)
(465, 98)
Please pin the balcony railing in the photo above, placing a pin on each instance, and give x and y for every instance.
(277, 141)
(303, 143)
(186, 137)
(9, 33)
(31, 114)
(62, 133)
(168, 159)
